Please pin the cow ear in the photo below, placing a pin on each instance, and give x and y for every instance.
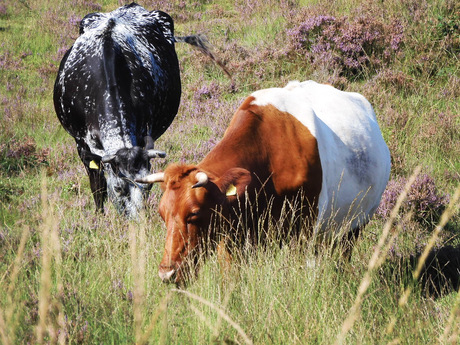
(234, 182)
(91, 160)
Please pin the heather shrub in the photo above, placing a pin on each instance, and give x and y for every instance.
(447, 123)
(353, 46)
(17, 155)
(3, 10)
(424, 199)
(393, 80)
(8, 61)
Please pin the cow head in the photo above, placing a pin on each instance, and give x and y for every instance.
(121, 171)
(190, 197)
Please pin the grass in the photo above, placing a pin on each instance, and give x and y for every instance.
(68, 276)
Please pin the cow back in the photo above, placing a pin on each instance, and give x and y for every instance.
(120, 80)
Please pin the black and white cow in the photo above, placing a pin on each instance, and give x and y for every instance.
(118, 89)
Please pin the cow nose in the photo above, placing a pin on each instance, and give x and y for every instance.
(167, 274)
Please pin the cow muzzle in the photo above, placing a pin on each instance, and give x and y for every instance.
(167, 277)
(168, 274)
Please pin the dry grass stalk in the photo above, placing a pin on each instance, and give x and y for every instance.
(215, 327)
(161, 309)
(376, 260)
(230, 287)
(55, 245)
(51, 248)
(221, 313)
(4, 330)
(454, 319)
(7, 327)
(203, 318)
(45, 276)
(137, 247)
(18, 259)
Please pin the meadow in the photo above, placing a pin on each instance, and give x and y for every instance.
(69, 276)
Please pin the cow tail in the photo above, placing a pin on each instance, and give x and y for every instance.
(200, 42)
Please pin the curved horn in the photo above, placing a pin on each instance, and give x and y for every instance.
(153, 178)
(108, 158)
(202, 179)
(156, 154)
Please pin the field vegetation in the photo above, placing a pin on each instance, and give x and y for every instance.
(69, 276)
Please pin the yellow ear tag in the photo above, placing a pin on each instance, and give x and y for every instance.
(93, 165)
(231, 191)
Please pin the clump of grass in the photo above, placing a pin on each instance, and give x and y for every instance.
(378, 257)
(273, 293)
(8, 319)
(50, 325)
(221, 313)
(403, 300)
(137, 246)
(17, 155)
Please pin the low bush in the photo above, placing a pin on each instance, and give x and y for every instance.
(17, 155)
(424, 199)
(353, 46)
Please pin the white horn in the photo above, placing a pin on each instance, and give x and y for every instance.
(202, 179)
(108, 158)
(156, 154)
(153, 178)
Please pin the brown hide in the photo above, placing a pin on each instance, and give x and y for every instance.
(263, 151)
(269, 143)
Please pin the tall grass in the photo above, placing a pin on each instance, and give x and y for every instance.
(272, 296)
(70, 276)
(378, 257)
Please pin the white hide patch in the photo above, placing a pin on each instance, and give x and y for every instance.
(354, 157)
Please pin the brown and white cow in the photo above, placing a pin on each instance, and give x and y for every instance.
(305, 136)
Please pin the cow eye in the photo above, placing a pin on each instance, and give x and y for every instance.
(117, 189)
(193, 217)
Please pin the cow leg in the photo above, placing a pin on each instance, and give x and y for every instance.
(95, 173)
(98, 187)
(348, 241)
